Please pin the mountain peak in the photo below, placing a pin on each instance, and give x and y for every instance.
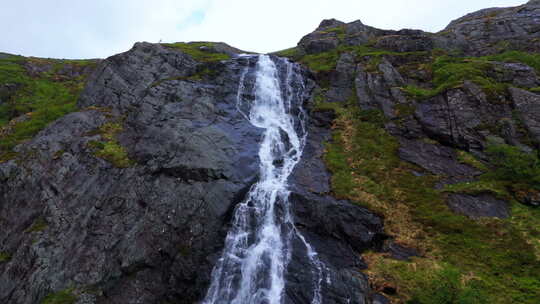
(329, 23)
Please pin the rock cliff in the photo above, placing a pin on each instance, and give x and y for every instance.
(419, 180)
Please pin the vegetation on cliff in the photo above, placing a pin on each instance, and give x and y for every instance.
(35, 92)
(464, 261)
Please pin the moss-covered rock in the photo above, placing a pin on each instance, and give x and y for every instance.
(42, 90)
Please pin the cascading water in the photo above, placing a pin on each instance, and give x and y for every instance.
(258, 246)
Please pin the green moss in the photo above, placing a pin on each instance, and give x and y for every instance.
(419, 93)
(338, 30)
(513, 165)
(321, 62)
(113, 152)
(450, 72)
(110, 149)
(404, 109)
(292, 53)
(46, 97)
(327, 61)
(469, 159)
(424, 281)
(38, 225)
(373, 63)
(486, 185)
(201, 51)
(62, 297)
(4, 257)
(530, 59)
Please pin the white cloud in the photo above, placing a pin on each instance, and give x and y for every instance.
(100, 28)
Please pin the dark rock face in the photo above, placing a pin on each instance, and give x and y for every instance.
(435, 158)
(72, 220)
(379, 90)
(454, 117)
(80, 222)
(336, 229)
(490, 30)
(481, 205)
(480, 33)
(406, 41)
(528, 106)
(531, 197)
(399, 252)
(518, 74)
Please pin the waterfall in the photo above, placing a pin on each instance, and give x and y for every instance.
(258, 246)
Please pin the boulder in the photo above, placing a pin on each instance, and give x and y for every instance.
(478, 205)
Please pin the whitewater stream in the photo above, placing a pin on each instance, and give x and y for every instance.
(258, 246)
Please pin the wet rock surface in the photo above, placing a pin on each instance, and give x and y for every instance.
(151, 232)
(336, 229)
(82, 223)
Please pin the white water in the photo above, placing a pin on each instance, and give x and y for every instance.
(258, 247)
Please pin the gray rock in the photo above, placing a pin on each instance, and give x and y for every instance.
(455, 117)
(337, 229)
(380, 299)
(399, 252)
(518, 74)
(71, 219)
(476, 206)
(527, 105)
(435, 158)
(406, 41)
(340, 89)
(156, 224)
(489, 31)
(378, 90)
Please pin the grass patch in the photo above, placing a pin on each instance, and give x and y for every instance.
(338, 30)
(530, 59)
(292, 53)
(109, 148)
(327, 61)
(469, 159)
(62, 297)
(483, 185)
(366, 169)
(425, 282)
(200, 51)
(45, 98)
(514, 166)
(450, 72)
(321, 62)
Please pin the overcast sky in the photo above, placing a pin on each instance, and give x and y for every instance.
(101, 28)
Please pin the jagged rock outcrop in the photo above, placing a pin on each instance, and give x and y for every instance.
(480, 33)
(491, 30)
(465, 116)
(73, 220)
